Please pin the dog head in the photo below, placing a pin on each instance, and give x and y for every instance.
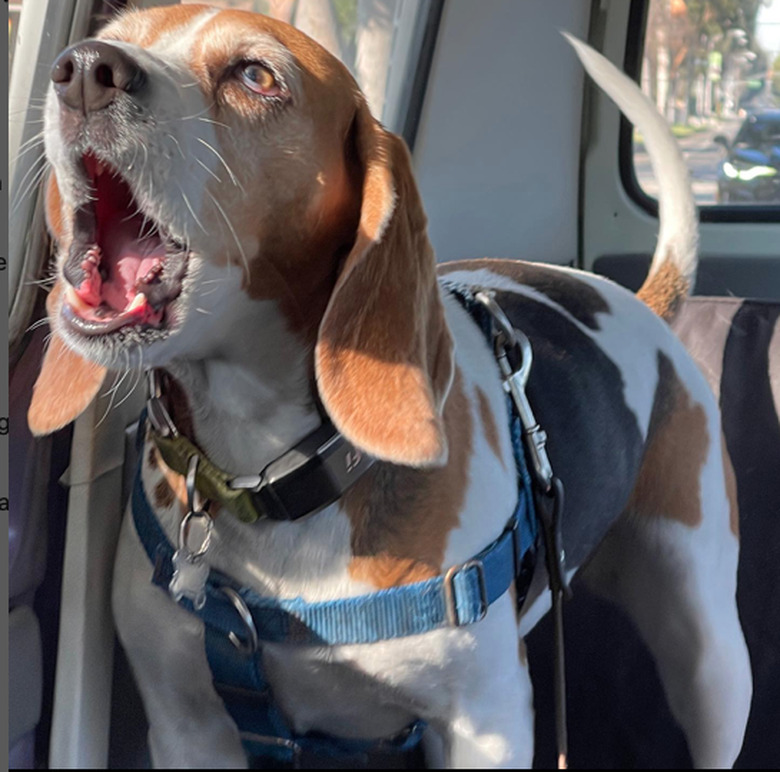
(204, 161)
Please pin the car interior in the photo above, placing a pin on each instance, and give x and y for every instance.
(517, 155)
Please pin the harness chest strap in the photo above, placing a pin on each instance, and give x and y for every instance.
(459, 597)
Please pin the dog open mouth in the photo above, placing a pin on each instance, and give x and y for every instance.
(123, 269)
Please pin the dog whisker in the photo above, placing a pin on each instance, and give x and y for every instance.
(232, 230)
(39, 323)
(216, 123)
(198, 161)
(178, 146)
(191, 210)
(26, 150)
(232, 176)
(31, 141)
(37, 175)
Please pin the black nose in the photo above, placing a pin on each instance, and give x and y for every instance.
(88, 76)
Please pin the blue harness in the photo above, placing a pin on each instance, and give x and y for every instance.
(459, 597)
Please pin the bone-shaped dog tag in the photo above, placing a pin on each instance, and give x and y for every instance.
(189, 578)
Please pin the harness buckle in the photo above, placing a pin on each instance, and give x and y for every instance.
(450, 600)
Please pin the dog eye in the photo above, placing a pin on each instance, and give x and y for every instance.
(258, 78)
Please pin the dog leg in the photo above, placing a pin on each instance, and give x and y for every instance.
(677, 581)
(491, 724)
(189, 727)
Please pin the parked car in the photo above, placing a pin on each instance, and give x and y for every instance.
(750, 173)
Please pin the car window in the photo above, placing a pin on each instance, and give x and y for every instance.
(713, 70)
(14, 9)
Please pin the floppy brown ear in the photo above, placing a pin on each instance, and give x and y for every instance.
(384, 356)
(67, 382)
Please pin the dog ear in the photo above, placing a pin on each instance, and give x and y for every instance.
(67, 383)
(384, 354)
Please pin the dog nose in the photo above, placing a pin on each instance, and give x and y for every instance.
(88, 76)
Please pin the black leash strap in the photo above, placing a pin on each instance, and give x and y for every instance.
(550, 506)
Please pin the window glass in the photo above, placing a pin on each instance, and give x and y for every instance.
(367, 35)
(713, 69)
(14, 9)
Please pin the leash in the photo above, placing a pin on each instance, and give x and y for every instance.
(514, 355)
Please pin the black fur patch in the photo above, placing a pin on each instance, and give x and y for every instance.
(579, 298)
(594, 441)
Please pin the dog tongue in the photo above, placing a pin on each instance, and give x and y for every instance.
(128, 260)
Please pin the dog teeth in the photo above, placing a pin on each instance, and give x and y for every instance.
(139, 301)
(91, 257)
(150, 275)
(75, 302)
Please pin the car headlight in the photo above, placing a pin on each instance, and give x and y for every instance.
(757, 171)
(748, 173)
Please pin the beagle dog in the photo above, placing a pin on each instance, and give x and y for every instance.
(227, 210)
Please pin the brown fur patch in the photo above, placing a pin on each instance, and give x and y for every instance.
(663, 291)
(385, 570)
(66, 384)
(677, 442)
(163, 495)
(401, 517)
(384, 354)
(177, 488)
(731, 488)
(53, 208)
(489, 424)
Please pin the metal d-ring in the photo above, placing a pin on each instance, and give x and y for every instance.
(246, 617)
(196, 507)
(194, 501)
(158, 414)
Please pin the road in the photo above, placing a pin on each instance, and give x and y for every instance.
(702, 155)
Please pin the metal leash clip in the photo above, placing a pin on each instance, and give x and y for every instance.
(549, 499)
(515, 380)
(190, 569)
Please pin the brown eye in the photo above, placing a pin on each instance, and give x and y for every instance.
(260, 79)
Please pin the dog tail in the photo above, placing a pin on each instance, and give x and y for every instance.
(673, 269)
